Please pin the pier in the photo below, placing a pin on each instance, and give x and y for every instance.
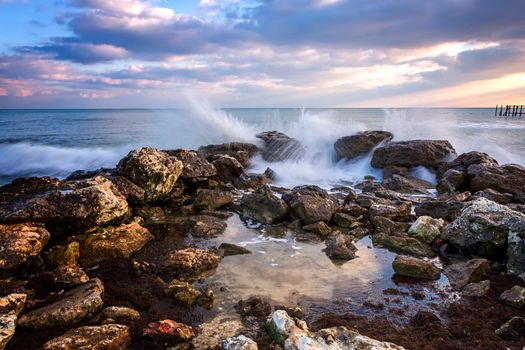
(509, 111)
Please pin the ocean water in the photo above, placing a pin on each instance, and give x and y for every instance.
(57, 142)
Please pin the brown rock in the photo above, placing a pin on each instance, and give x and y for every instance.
(190, 262)
(340, 247)
(263, 206)
(63, 255)
(195, 165)
(418, 268)
(428, 153)
(212, 199)
(107, 337)
(320, 228)
(228, 168)
(205, 226)
(279, 147)
(310, 204)
(461, 274)
(403, 245)
(19, 242)
(359, 144)
(243, 152)
(514, 297)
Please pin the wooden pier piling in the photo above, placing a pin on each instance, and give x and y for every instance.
(510, 111)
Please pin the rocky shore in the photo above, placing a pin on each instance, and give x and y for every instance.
(108, 259)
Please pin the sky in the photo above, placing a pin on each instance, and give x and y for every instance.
(261, 53)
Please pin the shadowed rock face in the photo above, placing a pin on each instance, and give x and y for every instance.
(279, 147)
(508, 178)
(263, 206)
(356, 145)
(428, 153)
(195, 165)
(241, 151)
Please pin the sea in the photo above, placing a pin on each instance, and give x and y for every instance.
(56, 142)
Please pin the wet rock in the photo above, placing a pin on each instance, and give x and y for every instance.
(359, 144)
(89, 202)
(279, 147)
(253, 181)
(72, 307)
(66, 276)
(233, 249)
(461, 274)
(451, 181)
(418, 268)
(387, 226)
(403, 245)
(310, 204)
(60, 255)
(447, 208)
(508, 178)
(465, 160)
(243, 152)
(154, 171)
(212, 199)
(7, 328)
(513, 329)
(345, 220)
(476, 290)
(184, 292)
(407, 184)
(263, 206)
(205, 226)
(426, 228)
(12, 303)
(320, 228)
(228, 168)
(340, 247)
(195, 165)
(514, 297)
(428, 153)
(19, 242)
(190, 262)
(395, 210)
(109, 337)
(483, 228)
(254, 306)
(113, 242)
(239, 342)
(168, 332)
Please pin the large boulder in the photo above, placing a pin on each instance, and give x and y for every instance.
(310, 204)
(418, 268)
(407, 184)
(263, 206)
(19, 242)
(195, 165)
(463, 273)
(279, 147)
(508, 178)
(228, 168)
(483, 229)
(89, 202)
(113, 242)
(108, 337)
(241, 151)
(361, 143)
(72, 307)
(154, 171)
(190, 262)
(428, 153)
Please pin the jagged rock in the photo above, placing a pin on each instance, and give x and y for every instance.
(254, 306)
(7, 328)
(361, 143)
(190, 262)
(418, 268)
(184, 292)
(134, 194)
(310, 204)
(340, 247)
(233, 249)
(195, 165)
(428, 153)
(513, 329)
(426, 228)
(476, 290)
(403, 245)
(508, 178)
(66, 276)
(60, 255)
(279, 147)
(205, 226)
(239, 342)
(514, 297)
(243, 152)
(407, 184)
(89, 202)
(395, 210)
(108, 337)
(212, 199)
(451, 181)
(113, 242)
(72, 307)
(263, 206)
(461, 274)
(154, 171)
(320, 228)
(19, 242)
(12, 303)
(168, 332)
(228, 168)
(483, 229)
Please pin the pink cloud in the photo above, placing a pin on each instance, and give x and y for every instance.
(3, 92)
(24, 93)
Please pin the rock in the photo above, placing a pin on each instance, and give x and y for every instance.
(254, 306)
(253, 182)
(60, 255)
(476, 290)
(90, 202)
(110, 337)
(150, 213)
(465, 160)
(407, 184)
(168, 332)
(516, 255)
(19, 242)
(7, 328)
(403, 245)
(461, 274)
(211, 334)
(426, 229)
(154, 171)
(195, 165)
(212, 199)
(134, 194)
(239, 342)
(418, 268)
(513, 329)
(361, 143)
(279, 147)
(205, 226)
(344, 220)
(120, 314)
(452, 180)
(72, 307)
(113, 242)
(184, 292)
(233, 249)
(387, 226)
(428, 153)
(395, 210)
(310, 204)
(514, 297)
(391, 170)
(340, 247)
(483, 229)
(243, 152)
(447, 208)
(12, 303)
(508, 178)
(66, 276)
(263, 206)
(495, 196)
(320, 228)
(228, 168)
(190, 262)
